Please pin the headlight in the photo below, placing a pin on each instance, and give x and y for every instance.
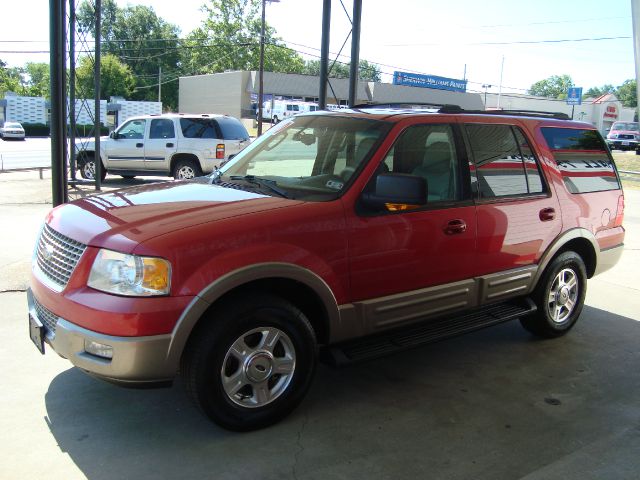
(130, 275)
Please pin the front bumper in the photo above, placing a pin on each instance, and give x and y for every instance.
(622, 144)
(136, 361)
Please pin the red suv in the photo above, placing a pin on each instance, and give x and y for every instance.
(352, 233)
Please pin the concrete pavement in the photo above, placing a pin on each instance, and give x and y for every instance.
(496, 404)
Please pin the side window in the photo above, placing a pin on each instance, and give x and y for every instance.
(199, 128)
(161, 128)
(504, 162)
(583, 159)
(428, 151)
(133, 129)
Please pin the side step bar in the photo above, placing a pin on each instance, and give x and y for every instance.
(433, 330)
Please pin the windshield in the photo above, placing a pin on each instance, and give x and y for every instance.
(625, 126)
(12, 125)
(309, 157)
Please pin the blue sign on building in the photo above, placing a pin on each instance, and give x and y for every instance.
(574, 96)
(429, 81)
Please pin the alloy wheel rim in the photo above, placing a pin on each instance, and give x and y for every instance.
(90, 169)
(258, 367)
(185, 173)
(563, 296)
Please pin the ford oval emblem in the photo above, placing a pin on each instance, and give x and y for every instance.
(48, 252)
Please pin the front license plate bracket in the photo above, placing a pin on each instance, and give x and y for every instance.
(37, 333)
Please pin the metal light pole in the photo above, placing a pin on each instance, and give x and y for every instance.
(261, 69)
(485, 86)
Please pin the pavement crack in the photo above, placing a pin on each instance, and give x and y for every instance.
(296, 457)
(17, 290)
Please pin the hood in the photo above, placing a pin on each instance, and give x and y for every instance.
(122, 219)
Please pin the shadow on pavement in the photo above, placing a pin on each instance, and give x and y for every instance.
(493, 404)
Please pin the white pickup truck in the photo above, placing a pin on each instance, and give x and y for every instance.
(179, 145)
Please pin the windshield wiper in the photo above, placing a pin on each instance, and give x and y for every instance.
(262, 182)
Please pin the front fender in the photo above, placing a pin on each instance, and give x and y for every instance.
(241, 276)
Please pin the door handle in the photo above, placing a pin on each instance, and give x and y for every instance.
(169, 145)
(139, 145)
(455, 227)
(547, 214)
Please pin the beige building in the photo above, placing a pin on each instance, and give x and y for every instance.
(233, 93)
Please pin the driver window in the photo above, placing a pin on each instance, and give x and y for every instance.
(133, 129)
(428, 151)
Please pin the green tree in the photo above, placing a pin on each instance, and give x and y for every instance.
(555, 86)
(627, 93)
(229, 39)
(38, 80)
(598, 91)
(116, 78)
(369, 72)
(10, 80)
(143, 41)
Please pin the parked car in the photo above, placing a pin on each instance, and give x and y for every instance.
(179, 145)
(12, 130)
(356, 232)
(623, 136)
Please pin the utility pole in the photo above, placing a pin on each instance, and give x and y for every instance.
(261, 71)
(635, 15)
(500, 89)
(355, 52)
(324, 54)
(160, 84)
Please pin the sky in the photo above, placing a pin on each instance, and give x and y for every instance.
(522, 41)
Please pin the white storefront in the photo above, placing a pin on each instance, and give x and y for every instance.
(600, 112)
(35, 110)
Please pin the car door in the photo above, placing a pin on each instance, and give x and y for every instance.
(406, 263)
(518, 217)
(125, 150)
(160, 145)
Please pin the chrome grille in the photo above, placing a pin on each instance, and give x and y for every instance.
(626, 136)
(57, 255)
(47, 317)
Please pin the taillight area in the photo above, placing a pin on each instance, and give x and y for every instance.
(619, 212)
(220, 151)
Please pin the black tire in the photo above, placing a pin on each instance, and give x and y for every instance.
(87, 167)
(275, 120)
(559, 297)
(240, 403)
(186, 169)
(128, 177)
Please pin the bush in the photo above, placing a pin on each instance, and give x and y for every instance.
(42, 130)
(35, 129)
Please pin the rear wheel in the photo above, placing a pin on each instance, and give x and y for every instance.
(559, 297)
(128, 177)
(252, 364)
(186, 169)
(87, 167)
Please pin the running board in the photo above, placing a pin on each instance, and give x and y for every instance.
(433, 330)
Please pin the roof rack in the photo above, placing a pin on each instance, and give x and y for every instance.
(407, 105)
(521, 113)
(450, 108)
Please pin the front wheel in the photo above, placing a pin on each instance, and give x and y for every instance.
(88, 168)
(251, 364)
(559, 297)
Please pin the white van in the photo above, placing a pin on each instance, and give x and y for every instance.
(280, 109)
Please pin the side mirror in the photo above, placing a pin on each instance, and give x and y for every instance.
(114, 135)
(397, 188)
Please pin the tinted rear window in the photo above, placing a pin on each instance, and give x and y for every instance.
(232, 129)
(583, 159)
(199, 128)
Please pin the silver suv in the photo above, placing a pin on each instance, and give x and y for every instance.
(178, 145)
